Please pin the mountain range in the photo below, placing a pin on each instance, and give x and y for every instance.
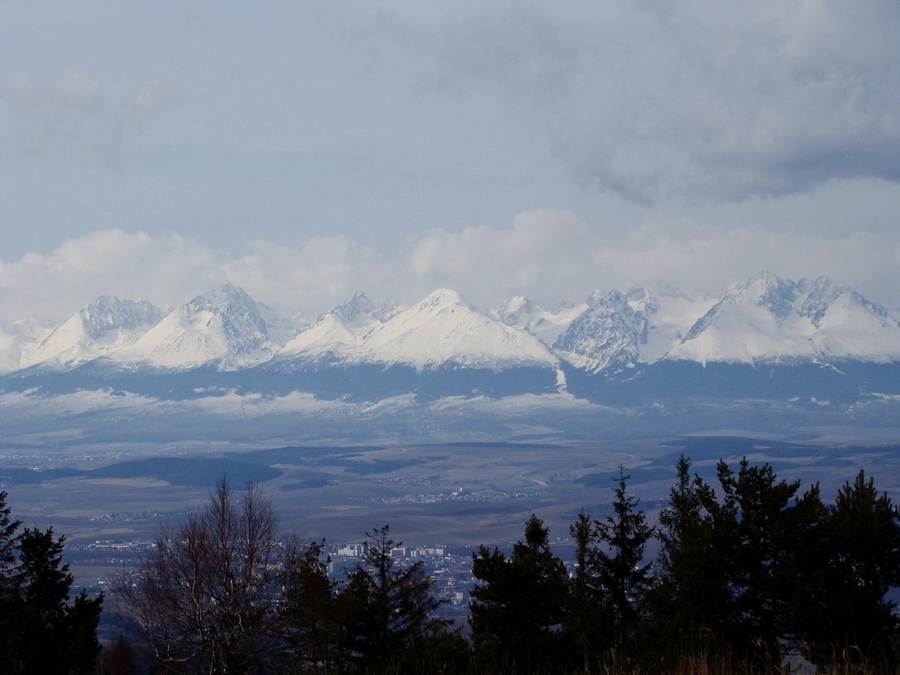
(764, 338)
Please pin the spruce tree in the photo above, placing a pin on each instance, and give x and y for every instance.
(388, 607)
(314, 631)
(518, 604)
(691, 600)
(770, 521)
(9, 582)
(587, 625)
(52, 635)
(848, 610)
(622, 572)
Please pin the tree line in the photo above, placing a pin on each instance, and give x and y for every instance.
(747, 569)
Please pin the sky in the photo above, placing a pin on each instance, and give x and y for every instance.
(309, 150)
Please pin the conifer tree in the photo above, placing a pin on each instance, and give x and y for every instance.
(770, 519)
(587, 625)
(691, 599)
(314, 630)
(518, 603)
(9, 582)
(731, 565)
(847, 608)
(387, 607)
(622, 572)
(52, 636)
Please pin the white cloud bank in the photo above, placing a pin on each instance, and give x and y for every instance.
(547, 255)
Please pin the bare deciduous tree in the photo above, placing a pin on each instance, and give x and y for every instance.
(206, 598)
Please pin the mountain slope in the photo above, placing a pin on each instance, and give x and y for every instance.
(547, 326)
(769, 319)
(651, 344)
(444, 329)
(329, 337)
(617, 331)
(105, 326)
(222, 326)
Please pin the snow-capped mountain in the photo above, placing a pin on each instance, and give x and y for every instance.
(105, 326)
(546, 325)
(440, 329)
(819, 338)
(282, 327)
(443, 328)
(223, 326)
(606, 336)
(334, 330)
(621, 330)
(770, 319)
(20, 338)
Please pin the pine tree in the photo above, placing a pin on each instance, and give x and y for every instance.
(691, 599)
(52, 635)
(518, 604)
(314, 630)
(848, 610)
(387, 607)
(622, 572)
(9, 582)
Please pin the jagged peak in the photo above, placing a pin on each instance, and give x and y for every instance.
(604, 299)
(352, 308)
(596, 296)
(110, 312)
(766, 290)
(515, 310)
(442, 297)
(358, 310)
(220, 298)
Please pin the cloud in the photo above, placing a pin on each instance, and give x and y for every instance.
(542, 251)
(547, 255)
(169, 270)
(698, 100)
(550, 255)
(314, 276)
(76, 114)
(728, 100)
(165, 270)
(517, 49)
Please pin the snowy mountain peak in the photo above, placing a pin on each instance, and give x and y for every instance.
(443, 329)
(764, 290)
(608, 334)
(517, 311)
(545, 325)
(110, 313)
(225, 299)
(105, 326)
(620, 330)
(441, 299)
(767, 318)
(222, 326)
(351, 309)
